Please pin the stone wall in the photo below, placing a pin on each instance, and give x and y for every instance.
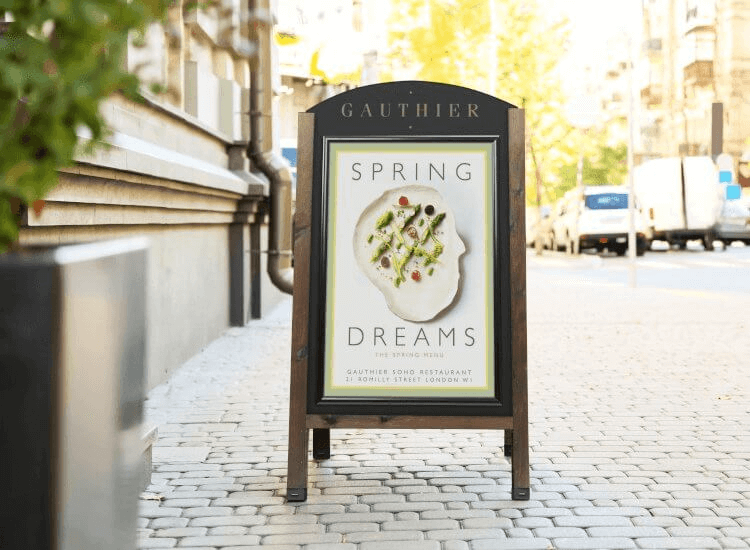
(189, 192)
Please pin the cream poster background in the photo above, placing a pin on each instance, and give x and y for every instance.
(369, 350)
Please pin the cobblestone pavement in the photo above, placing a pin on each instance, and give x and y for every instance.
(639, 430)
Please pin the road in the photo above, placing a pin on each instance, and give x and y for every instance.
(725, 271)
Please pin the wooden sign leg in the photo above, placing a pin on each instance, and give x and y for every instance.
(321, 443)
(296, 484)
(517, 183)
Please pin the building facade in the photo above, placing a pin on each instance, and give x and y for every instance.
(695, 53)
(177, 172)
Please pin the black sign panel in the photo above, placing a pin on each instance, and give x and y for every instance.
(410, 277)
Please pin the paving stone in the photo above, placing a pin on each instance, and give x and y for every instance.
(458, 514)
(167, 522)
(286, 529)
(156, 543)
(370, 517)
(158, 512)
(710, 521)
(352, 527)
(292, 518)
(694, 532)
(328, 546)
(170, 455)
(186, 502)
(420, 545)
(420, 525)
(359, 537)
(519, 532)
(179, 532)
(592, 521)
(591, 543)
(547, 512)
(659, 521)
(743, 532)
(531, 522)
(512, 544)
(222, 541)
(678, 543)
(248, 500)
(466, 534)
(206, 511)
(559, 532)
(442, 497)
(310, 538)
(733, 542)
(321, 509)
(629, 532)
(228, 530)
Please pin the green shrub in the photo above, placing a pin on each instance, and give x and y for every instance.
(59, 59)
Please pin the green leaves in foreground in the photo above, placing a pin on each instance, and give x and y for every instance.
(60, 59)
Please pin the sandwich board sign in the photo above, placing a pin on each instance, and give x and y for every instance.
(410, 284)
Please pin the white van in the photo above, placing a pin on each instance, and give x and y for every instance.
(598, 217)
(682, 198)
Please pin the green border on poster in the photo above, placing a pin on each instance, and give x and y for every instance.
(337, 147)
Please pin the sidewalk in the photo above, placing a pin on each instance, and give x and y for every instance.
(639, 429)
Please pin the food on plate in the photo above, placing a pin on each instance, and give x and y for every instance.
(407, 244)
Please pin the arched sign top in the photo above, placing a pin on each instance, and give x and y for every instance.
(411, 108)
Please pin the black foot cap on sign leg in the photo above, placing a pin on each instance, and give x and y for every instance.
(321, 454)
(321, 444)
(521, 493)
(296, 495)
(508, 450)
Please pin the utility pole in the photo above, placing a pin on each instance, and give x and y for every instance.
(717, 129)
(632, 276)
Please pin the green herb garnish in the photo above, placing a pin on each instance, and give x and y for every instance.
(384, 220)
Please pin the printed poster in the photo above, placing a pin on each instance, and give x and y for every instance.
(409, 309)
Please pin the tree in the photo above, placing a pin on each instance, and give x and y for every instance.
(459, 41)
(602, 165)
(60, 59)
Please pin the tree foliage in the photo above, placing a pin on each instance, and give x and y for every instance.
(60, 59)
(458, 41)
(602, 165)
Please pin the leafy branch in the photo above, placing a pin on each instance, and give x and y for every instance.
(59, 61)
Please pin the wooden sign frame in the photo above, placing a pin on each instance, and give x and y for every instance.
(427, 113)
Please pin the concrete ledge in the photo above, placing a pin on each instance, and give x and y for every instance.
(86, 200)
(149, 434)
(132, 154)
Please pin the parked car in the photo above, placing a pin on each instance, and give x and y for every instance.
(597, 217)
(564, 219)
(734, 222)
(536, 224)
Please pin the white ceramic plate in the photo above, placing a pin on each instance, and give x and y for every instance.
(428, 281)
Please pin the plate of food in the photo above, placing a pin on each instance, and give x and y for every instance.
(407, 245)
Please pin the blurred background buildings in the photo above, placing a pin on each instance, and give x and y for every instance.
(691, 54)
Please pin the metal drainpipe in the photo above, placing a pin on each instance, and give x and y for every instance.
(261, 152)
